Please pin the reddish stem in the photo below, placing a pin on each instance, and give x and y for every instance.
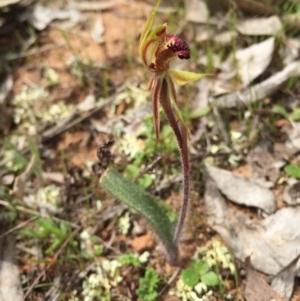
(186, 185)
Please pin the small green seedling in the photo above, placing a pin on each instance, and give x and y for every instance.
(14, 160)
(199, 271)
(203, 276)
(145, 181)
(134, 259)
(280, 110)
(47, 228)
(148, 286)
(293, 116)
(293, 171)
(129, 259)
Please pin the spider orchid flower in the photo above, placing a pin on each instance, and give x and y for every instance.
(157, 48)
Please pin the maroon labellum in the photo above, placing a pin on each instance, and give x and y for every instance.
(170, 46)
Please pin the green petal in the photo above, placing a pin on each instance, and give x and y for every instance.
(148, 25)
(182, 77)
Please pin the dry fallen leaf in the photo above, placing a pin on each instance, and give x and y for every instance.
(293, 133)
(291, 194)
(88, 103)
(42, 16)
(253, 61)
(4, 3)
(270, 242)
(259, 26)
(57, 177)
(5, 87)
(257, 288)
(242, 190)
(264, 167)
(10, 286)
(225, 38)
(290, 52)
(284, 281)
(292, 20)
(98, 30)
(196, 11)
(258, 91)
(264, 7)
(203, 34)
(245, 65)
(201, 99)
(93, 5)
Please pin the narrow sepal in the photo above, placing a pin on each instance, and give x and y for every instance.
(172, 94)
(157, 84)
(167, 107)
(151, 82)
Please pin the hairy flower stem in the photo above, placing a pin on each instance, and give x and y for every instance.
(181, 137)
(186, 186)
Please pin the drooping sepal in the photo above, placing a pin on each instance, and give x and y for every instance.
(166, 104)
(173, 98)
(157, 86)
(151, 82)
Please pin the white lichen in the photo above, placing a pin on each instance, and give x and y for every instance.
(98, 285)
(32, 108)
(124, 224)
(46, 198)
(143, 258)
(185, 292)
(214, 254)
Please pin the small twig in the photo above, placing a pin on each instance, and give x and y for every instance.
(93, 5)
(84, 198)
(21, 225)
(111, 240)
(59, 128)
(68, 123)
(36, 280)
(170, 281)
(148, 168)
(110, 212)
(64, 126)
(31, 211)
